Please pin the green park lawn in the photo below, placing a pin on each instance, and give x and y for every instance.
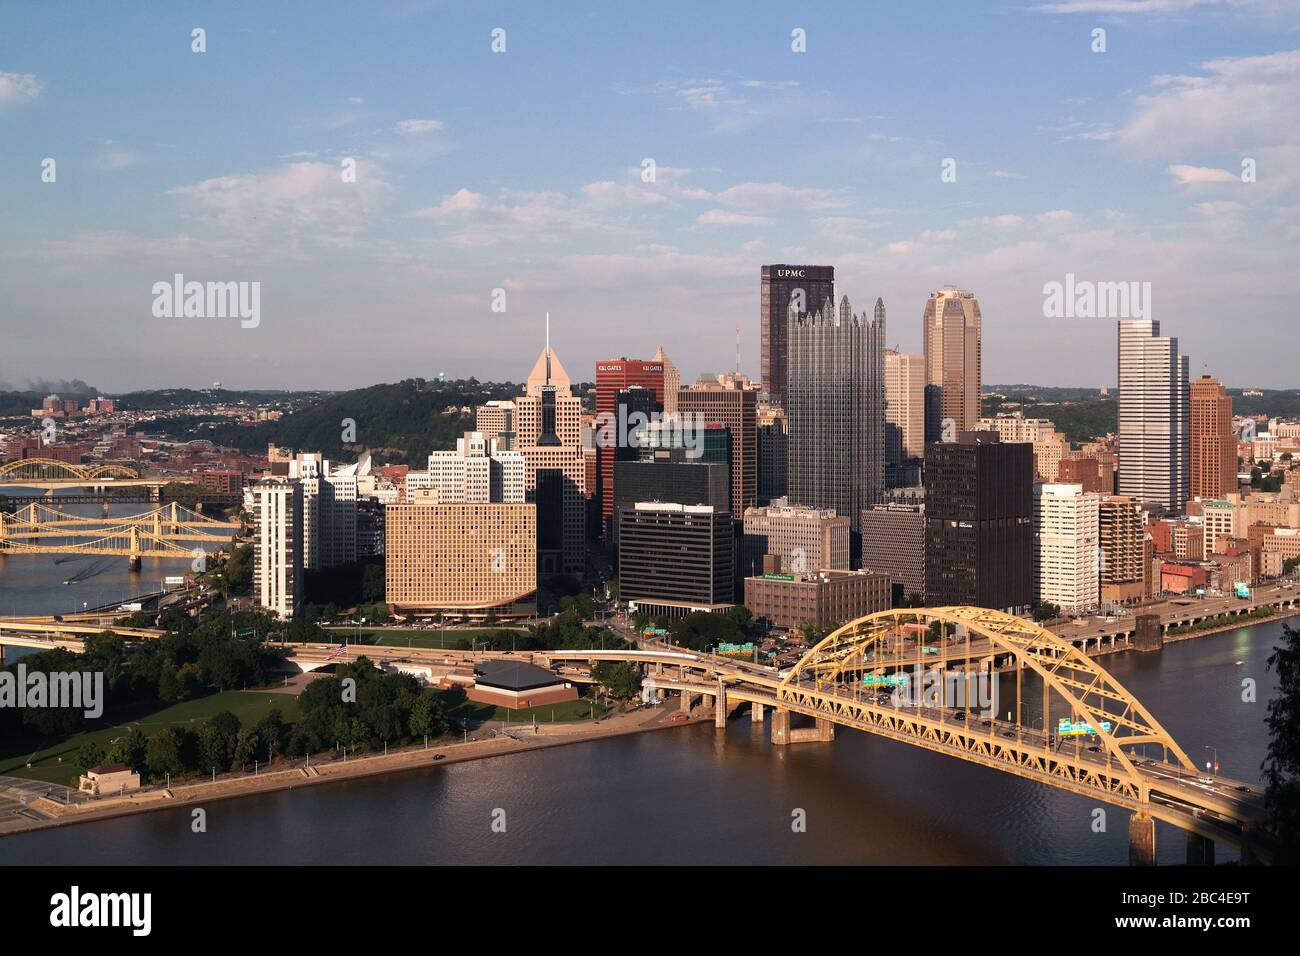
(248, 706)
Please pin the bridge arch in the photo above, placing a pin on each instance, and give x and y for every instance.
(879, 643)
(49, 469)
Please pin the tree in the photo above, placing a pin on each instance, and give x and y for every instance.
(130, 750)
(247, 748)
(89, 754)
(165, 753)
(1046, 611)
(1282, 764)
(619, 678)
(427, 716)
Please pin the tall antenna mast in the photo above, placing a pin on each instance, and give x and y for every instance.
(548, 348)
(737, 350)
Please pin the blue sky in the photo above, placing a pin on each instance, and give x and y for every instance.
(522, 171)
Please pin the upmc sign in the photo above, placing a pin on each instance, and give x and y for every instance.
(790, 273)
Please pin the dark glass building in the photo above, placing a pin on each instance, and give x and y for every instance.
(779, 283)
(674, 559)
(836, 409)
(979, 532)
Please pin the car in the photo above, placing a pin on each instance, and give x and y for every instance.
(959, 714)
(1094, 749)
(1243, 788)
(1008, 734)
(439, 756)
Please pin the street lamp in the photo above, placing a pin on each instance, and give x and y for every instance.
(1215, 752)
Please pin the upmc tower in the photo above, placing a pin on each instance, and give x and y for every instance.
(779, 285)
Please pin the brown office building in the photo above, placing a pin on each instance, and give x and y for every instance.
(824, 598)
(779, 284)
(461, 560)
(979, 533)
(735, 408)
(1125, 566)
(1214, 444)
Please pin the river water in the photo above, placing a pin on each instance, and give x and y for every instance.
(687, 794)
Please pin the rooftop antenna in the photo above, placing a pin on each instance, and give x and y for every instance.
(737, 351)
(548, 348)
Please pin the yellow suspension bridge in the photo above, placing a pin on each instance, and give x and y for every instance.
(170, 531)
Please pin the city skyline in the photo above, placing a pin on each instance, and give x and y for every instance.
(1113, 167)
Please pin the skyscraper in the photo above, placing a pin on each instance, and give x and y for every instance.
(548, 433)
(836, 406)
(979, 534)
(1066, 558)
(1214, 444)
(780, 283)
(1154, 418)
(952, 359)
(735, 407)
(904, 415)
(278, 546)
(672, 381)
(612, 376)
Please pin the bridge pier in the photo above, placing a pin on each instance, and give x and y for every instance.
(720, 707)
(1141, 840)
(687, 698)
(1200, 850)
(756, 715)
(780, 727)
(1248, 857)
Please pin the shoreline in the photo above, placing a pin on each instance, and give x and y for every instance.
(196, 794)
(1192, 635)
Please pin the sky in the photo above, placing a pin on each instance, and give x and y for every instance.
(494, 186)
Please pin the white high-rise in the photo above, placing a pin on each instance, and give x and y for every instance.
(477, 473)
(1067, 568)
(904, 405)
(277, 547)
(1154, 418)
(329, 508)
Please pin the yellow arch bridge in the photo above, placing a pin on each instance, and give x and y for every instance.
(915, 676)
(171, 531)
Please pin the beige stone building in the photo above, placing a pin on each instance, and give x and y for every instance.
(460, 559)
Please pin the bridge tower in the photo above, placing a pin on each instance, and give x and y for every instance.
(1142, 840)
(133, 561)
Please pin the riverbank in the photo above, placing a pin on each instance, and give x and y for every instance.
(515, 739)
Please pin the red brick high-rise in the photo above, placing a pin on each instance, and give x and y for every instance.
(1214, 445)
(612, 376)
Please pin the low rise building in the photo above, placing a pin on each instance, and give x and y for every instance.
(824, 599)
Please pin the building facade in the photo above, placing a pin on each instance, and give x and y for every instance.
(951, 327)
(979, 534)
(836, 406)
(1066, 556)
(1154, 418)
(823, 599)
(612, 377)
(893, 542)
(1214, 442)
(461, 559)
(674, 559)
(800, 539)
(735, 408)
(277, 549)
(807, 287)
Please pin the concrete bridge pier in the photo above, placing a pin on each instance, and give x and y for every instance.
(687, 700)
(1200, 850)
(1141, 840)
(720, 707)
(780, 727)
(756, 715)
(1248, 857)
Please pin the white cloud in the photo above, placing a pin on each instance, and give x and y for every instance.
(721, 217)
(1195, 175)
(415, 126)
(16, 88)
(1220, 208)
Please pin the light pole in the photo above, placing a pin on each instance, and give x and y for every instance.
(1215, 752)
